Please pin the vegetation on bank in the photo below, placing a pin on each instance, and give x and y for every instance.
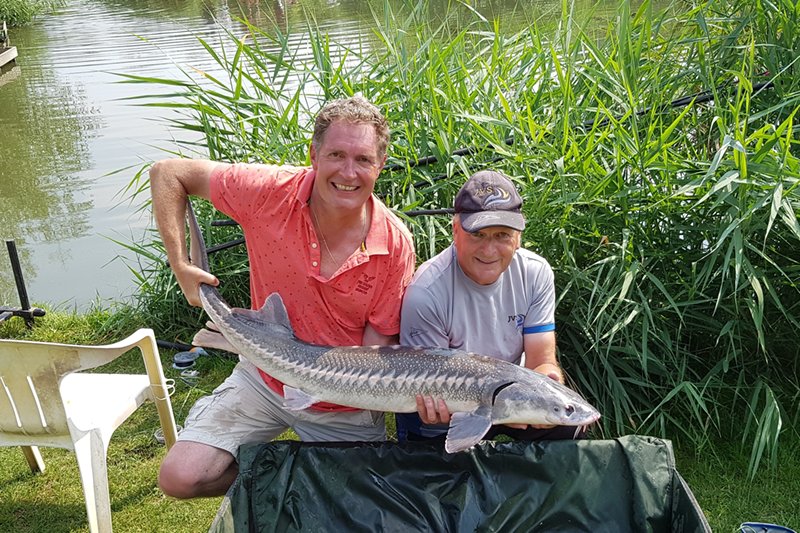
(21, 12)
(658, 161)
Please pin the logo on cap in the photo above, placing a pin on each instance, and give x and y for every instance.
(494, 197)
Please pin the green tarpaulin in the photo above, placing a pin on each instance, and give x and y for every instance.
(624, 484)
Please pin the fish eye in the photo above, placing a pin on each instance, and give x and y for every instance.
(569, 410)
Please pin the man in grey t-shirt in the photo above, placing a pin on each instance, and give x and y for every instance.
(483, 294)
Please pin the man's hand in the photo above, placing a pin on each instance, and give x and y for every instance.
(172, 181)
(551, 371)
(432, 411)
(189, 278)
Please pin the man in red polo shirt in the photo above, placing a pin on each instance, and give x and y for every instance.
(338, 257)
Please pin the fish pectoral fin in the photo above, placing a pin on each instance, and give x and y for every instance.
(213, 339)
(467, 429)
(296, 400)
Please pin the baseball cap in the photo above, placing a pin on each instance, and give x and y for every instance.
(489, 198)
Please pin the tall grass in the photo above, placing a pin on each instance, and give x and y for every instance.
(21, 12)
(672, 229)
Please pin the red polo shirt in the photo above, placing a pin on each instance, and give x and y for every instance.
(271, 205)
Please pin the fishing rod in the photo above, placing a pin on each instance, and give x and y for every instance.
(697, 98)
(25, 311)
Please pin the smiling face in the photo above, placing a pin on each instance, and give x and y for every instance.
(485, 254)
(348, 163)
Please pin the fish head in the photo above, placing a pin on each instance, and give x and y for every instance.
(545, 402)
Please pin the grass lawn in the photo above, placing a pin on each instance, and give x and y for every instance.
(718, 479)
(53, 501)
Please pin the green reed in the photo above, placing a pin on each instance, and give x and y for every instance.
(22, 12)
(672, 229)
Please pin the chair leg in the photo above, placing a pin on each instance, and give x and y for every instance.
(158, 390)
(165, 415)
(91, 453)
(34, 458)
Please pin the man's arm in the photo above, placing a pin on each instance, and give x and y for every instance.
(171, 182)
(540, 354)
(373, 338)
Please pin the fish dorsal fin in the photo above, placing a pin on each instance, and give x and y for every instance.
(273, 311)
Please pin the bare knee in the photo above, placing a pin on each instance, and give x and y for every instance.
(192, 470)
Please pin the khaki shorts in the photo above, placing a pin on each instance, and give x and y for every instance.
(243, 410)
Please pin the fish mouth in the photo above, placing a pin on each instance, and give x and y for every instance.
(573, 417)
(594, 417)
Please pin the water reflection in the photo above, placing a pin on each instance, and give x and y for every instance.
(9, 73)
(65, 129)
(46, 126)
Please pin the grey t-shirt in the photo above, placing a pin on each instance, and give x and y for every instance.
(444, 308)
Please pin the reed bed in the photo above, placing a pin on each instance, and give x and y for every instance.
(22, 12)
(658, 161)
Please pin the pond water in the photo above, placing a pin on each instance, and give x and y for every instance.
(70, 142)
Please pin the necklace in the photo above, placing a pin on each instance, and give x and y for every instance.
(325, 241)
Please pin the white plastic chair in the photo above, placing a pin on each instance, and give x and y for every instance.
(45, 402)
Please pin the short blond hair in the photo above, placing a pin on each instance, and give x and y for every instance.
(355, 110)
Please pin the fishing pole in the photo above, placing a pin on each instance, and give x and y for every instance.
(697, 98)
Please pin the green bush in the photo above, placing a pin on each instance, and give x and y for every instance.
(672, 229)
(21, 12)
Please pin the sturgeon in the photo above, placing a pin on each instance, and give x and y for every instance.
(479, 390)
